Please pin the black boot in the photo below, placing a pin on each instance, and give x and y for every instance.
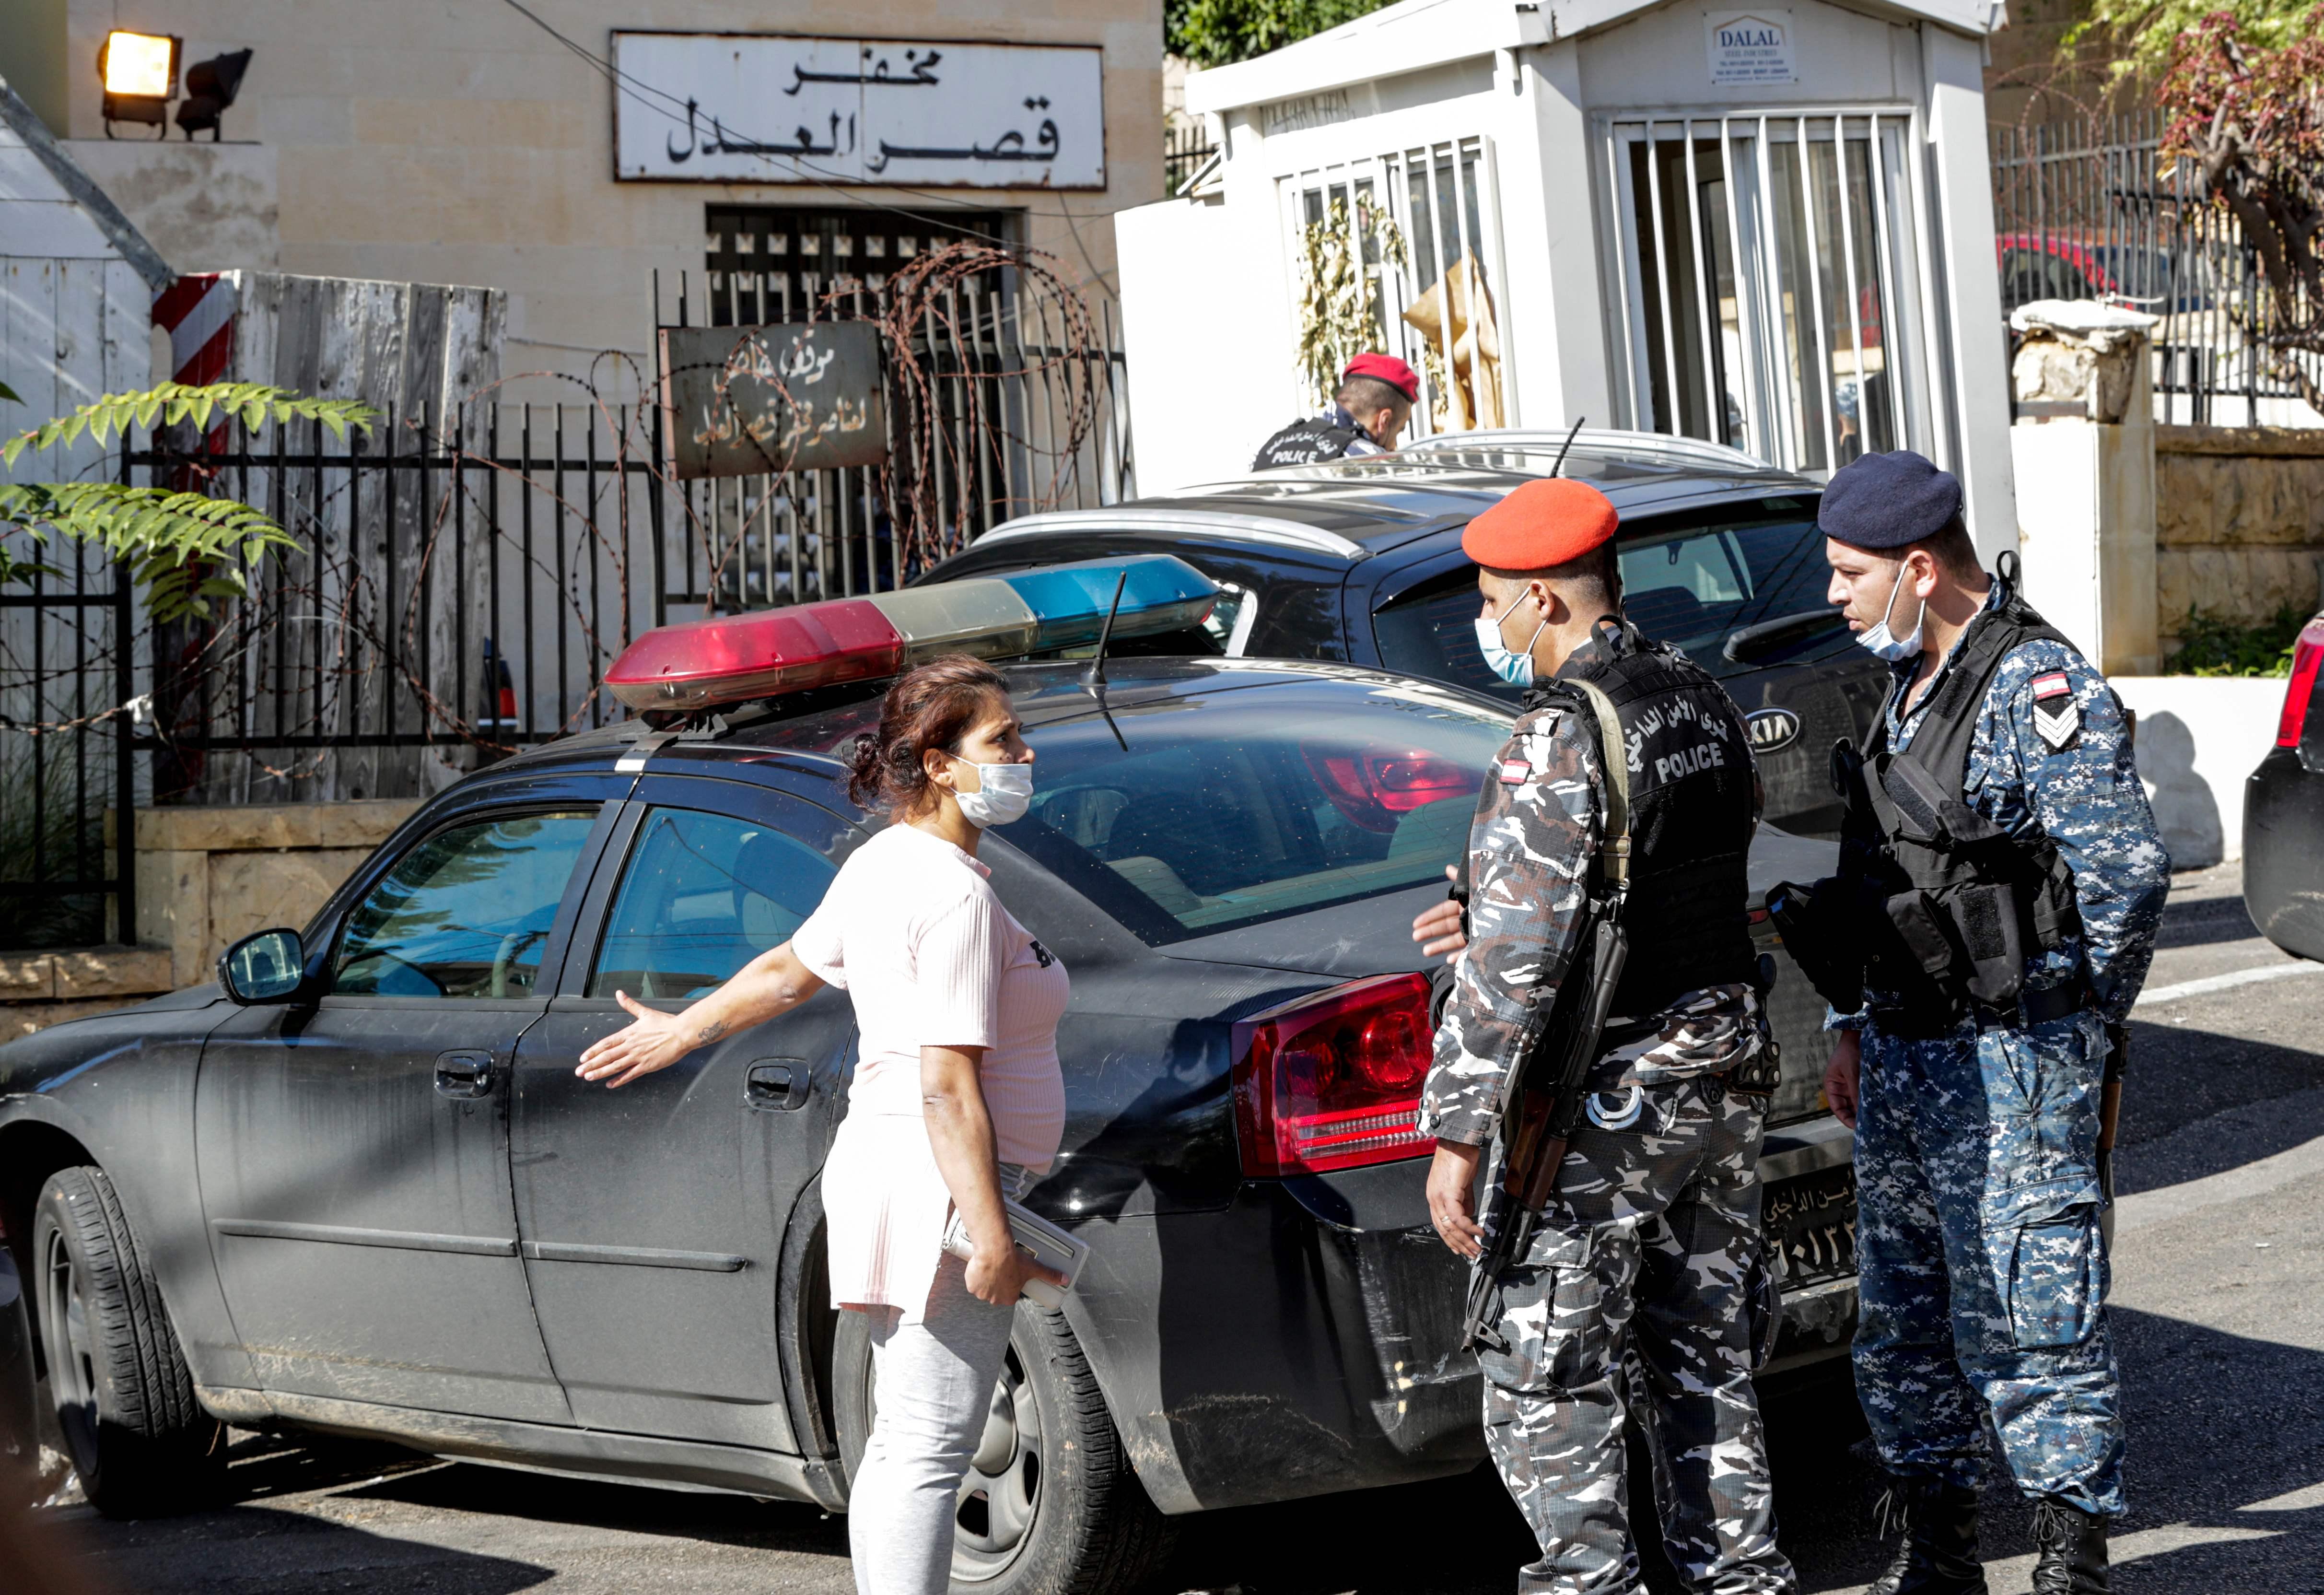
(2070, 1550)
(1939, 1555)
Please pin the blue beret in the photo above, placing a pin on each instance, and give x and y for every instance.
(1885, 502)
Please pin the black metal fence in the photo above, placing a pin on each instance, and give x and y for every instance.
(2095, 209)
(1186, 147)
(461, 585)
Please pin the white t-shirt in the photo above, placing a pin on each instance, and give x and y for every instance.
(912, 931)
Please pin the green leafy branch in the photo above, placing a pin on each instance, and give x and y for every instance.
(180, 545)
(1340, 267)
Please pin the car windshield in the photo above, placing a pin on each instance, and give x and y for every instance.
(1207, 812)
(1695, 585)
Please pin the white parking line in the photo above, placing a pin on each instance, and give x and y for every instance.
(2225, 982)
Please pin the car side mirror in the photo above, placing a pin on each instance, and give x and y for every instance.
(267, 967)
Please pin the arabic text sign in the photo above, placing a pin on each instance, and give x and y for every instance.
(1751, 47)
(752, 400)
(726, 108)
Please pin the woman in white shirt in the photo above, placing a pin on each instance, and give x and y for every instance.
(957, 1101)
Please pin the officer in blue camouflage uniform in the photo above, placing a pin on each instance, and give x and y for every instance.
(1652, 1242)
(1983, 1268)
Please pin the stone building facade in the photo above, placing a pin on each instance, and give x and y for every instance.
(460, 141)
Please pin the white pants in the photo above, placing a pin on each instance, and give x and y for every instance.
(935, 1382)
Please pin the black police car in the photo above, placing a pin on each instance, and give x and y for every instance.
(359, 1187)
(1360, 560)
(2283, 813)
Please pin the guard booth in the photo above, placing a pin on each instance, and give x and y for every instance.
(1770, 228)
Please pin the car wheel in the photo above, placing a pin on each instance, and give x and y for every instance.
(124, 1396)
(1050, 1505)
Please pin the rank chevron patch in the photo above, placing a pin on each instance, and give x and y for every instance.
(2058, 727)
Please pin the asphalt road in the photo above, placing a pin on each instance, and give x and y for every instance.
(2217, 1310)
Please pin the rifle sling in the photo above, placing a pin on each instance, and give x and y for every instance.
(1613, 757)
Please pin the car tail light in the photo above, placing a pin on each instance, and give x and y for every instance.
(1332, 1081)
(1372, 786)
(2307, 656)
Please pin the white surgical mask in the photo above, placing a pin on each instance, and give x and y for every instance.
(1514, 668)
(1006, 792)
(1885, 645)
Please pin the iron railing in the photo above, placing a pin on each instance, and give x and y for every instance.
(2095, 209)
(1186, 145)
(460, 587)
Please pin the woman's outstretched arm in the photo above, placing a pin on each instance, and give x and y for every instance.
(772, 984)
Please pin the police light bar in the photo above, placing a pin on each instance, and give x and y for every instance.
(734, 658)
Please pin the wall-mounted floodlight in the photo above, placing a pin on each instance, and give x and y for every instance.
(140, 71)
(210, 88)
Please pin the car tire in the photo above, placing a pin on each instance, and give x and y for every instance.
(1051, 1505)
(122, 1394)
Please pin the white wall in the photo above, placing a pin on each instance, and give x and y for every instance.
(2199, 738)
(1660, 60)
(1199, 345)
(1970, 286)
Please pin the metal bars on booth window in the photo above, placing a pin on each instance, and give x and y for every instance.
(1444, 202)
(1771, 282)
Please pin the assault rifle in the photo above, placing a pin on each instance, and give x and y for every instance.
(1543, 1088)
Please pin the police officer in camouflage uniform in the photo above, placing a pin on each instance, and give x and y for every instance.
(1652, 1242)
(1998, 924)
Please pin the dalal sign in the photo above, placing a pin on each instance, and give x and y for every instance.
(1751, 47)
(759, 400)
(736, 108)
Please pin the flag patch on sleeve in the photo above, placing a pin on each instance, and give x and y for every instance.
(2052, 685)
(1515, 772)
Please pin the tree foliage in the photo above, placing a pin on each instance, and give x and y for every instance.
(179, 543)
(1213, 32)
(2142, 37)
(2251, 115)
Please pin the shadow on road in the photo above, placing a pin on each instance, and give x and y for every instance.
(2256, 1100)
(2205, 923)
(711, 1517)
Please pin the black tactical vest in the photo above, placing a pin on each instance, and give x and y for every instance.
(1303, 443)
(1946, 904)
(1690, 815)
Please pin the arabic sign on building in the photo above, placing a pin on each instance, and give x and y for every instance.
(1751, 47)
(752, 400)
(732, 108)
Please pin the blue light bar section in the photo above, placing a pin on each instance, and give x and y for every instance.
(1159, 593)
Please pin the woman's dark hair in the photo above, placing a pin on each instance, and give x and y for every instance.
(933, 706)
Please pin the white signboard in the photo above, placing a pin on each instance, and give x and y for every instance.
(735, 107)
(1751, 47)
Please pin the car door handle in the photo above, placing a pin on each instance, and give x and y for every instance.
(464, 1073)
(779, 1086)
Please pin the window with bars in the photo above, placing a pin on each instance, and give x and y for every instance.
(769, 265)
(1436, 302)
(1770, 283)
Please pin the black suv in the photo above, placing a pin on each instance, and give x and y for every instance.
(1360, 560)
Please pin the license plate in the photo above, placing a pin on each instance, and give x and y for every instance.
(1810, 1223)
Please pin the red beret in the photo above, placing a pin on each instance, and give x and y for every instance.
(1541, 524)
(1389, 369)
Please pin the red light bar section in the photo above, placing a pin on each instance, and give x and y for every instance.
(732, 659)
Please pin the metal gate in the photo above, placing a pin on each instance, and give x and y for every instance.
(1772, 285)
(461, 586)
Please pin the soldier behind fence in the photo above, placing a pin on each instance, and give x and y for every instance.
(1652, 1240)
(2001, 884)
